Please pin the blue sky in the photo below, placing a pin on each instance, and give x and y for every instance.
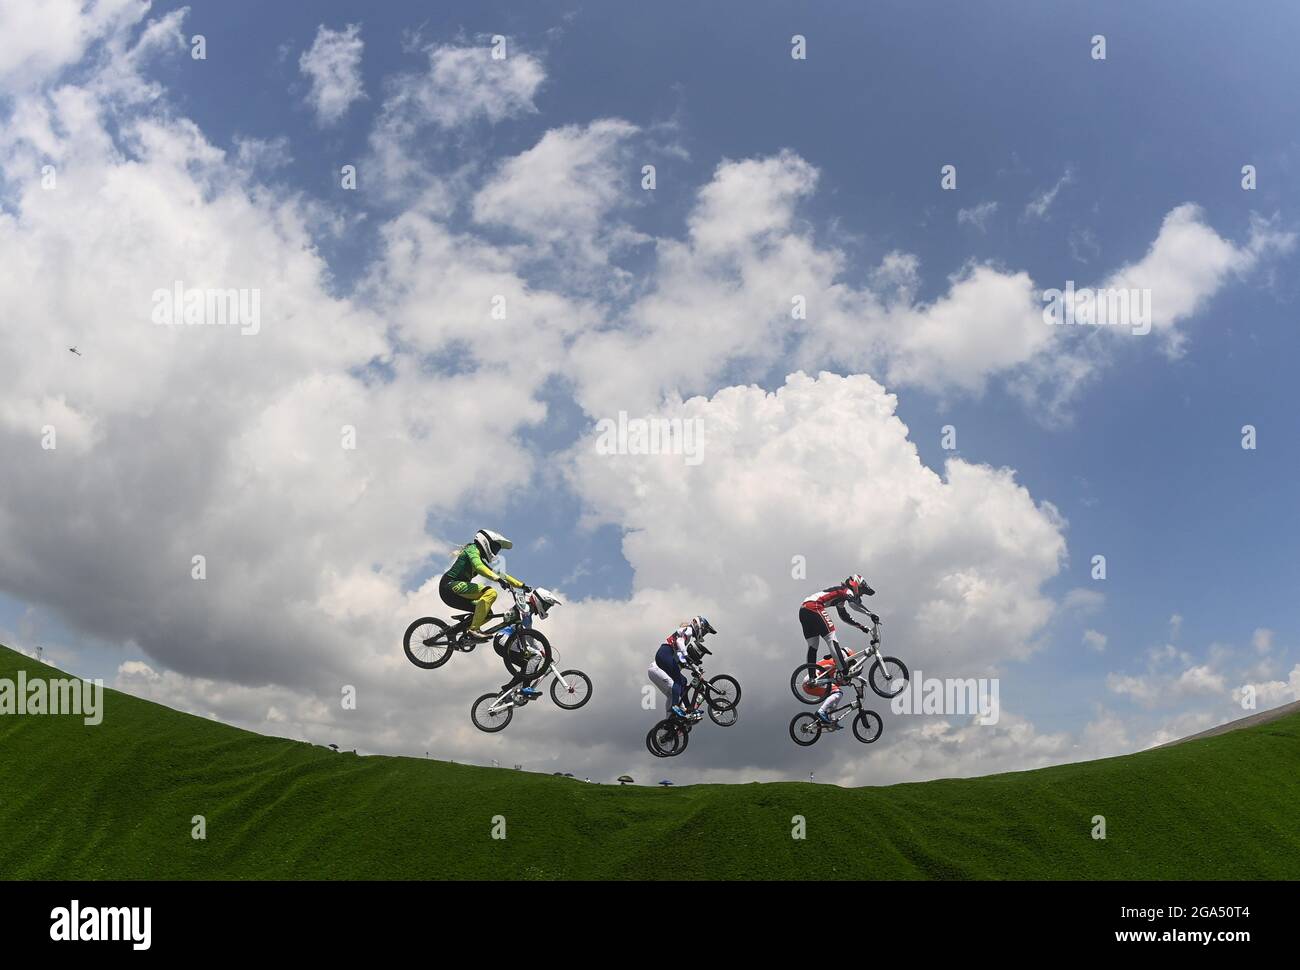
(1146, 465)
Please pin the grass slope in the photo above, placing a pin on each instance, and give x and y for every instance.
(116, 801)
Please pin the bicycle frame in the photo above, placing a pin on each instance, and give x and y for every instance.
(510, 617)
(703, 689)
(510, 694)
(844, 710)
(858, 664)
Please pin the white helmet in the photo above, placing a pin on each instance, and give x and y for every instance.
(490, 543)
(541, 600)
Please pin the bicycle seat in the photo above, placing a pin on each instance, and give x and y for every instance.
(461, 616)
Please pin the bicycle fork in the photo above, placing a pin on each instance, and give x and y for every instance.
(560, 679)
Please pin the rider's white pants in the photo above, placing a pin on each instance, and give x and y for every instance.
(660, 678)
(832, 701)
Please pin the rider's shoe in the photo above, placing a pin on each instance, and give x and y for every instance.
(680, 712)
(824, 720)
(478, 636)
(528, 693)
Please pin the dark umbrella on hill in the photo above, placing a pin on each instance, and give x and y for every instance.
(625, 779)
(666, 783)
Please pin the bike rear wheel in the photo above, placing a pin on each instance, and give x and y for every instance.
(684, 737)
(867, 726)
(667, 738)
(805, 729)
(428, 656)
(486, 719)
(576, 694)
(810, 677)
(888, 676)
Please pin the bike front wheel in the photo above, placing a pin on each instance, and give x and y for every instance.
(724, 718)
(888, 677)
(805, 730)
(490, 719)
(867, 726)
(723, 693)
(571, 689)
(527, 654)
(428, 643)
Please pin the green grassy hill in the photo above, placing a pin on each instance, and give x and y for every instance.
(116, 801)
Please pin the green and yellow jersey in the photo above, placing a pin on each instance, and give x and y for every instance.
(469, 564)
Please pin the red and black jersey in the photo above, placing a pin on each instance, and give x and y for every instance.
(834, 596)
(837, 597)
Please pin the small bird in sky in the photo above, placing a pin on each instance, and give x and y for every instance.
(75, 351)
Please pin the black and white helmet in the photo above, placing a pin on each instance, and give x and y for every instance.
(700, 626)
(490, 543)
(541, 601)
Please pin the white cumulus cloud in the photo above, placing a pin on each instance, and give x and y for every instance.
(333, 66)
